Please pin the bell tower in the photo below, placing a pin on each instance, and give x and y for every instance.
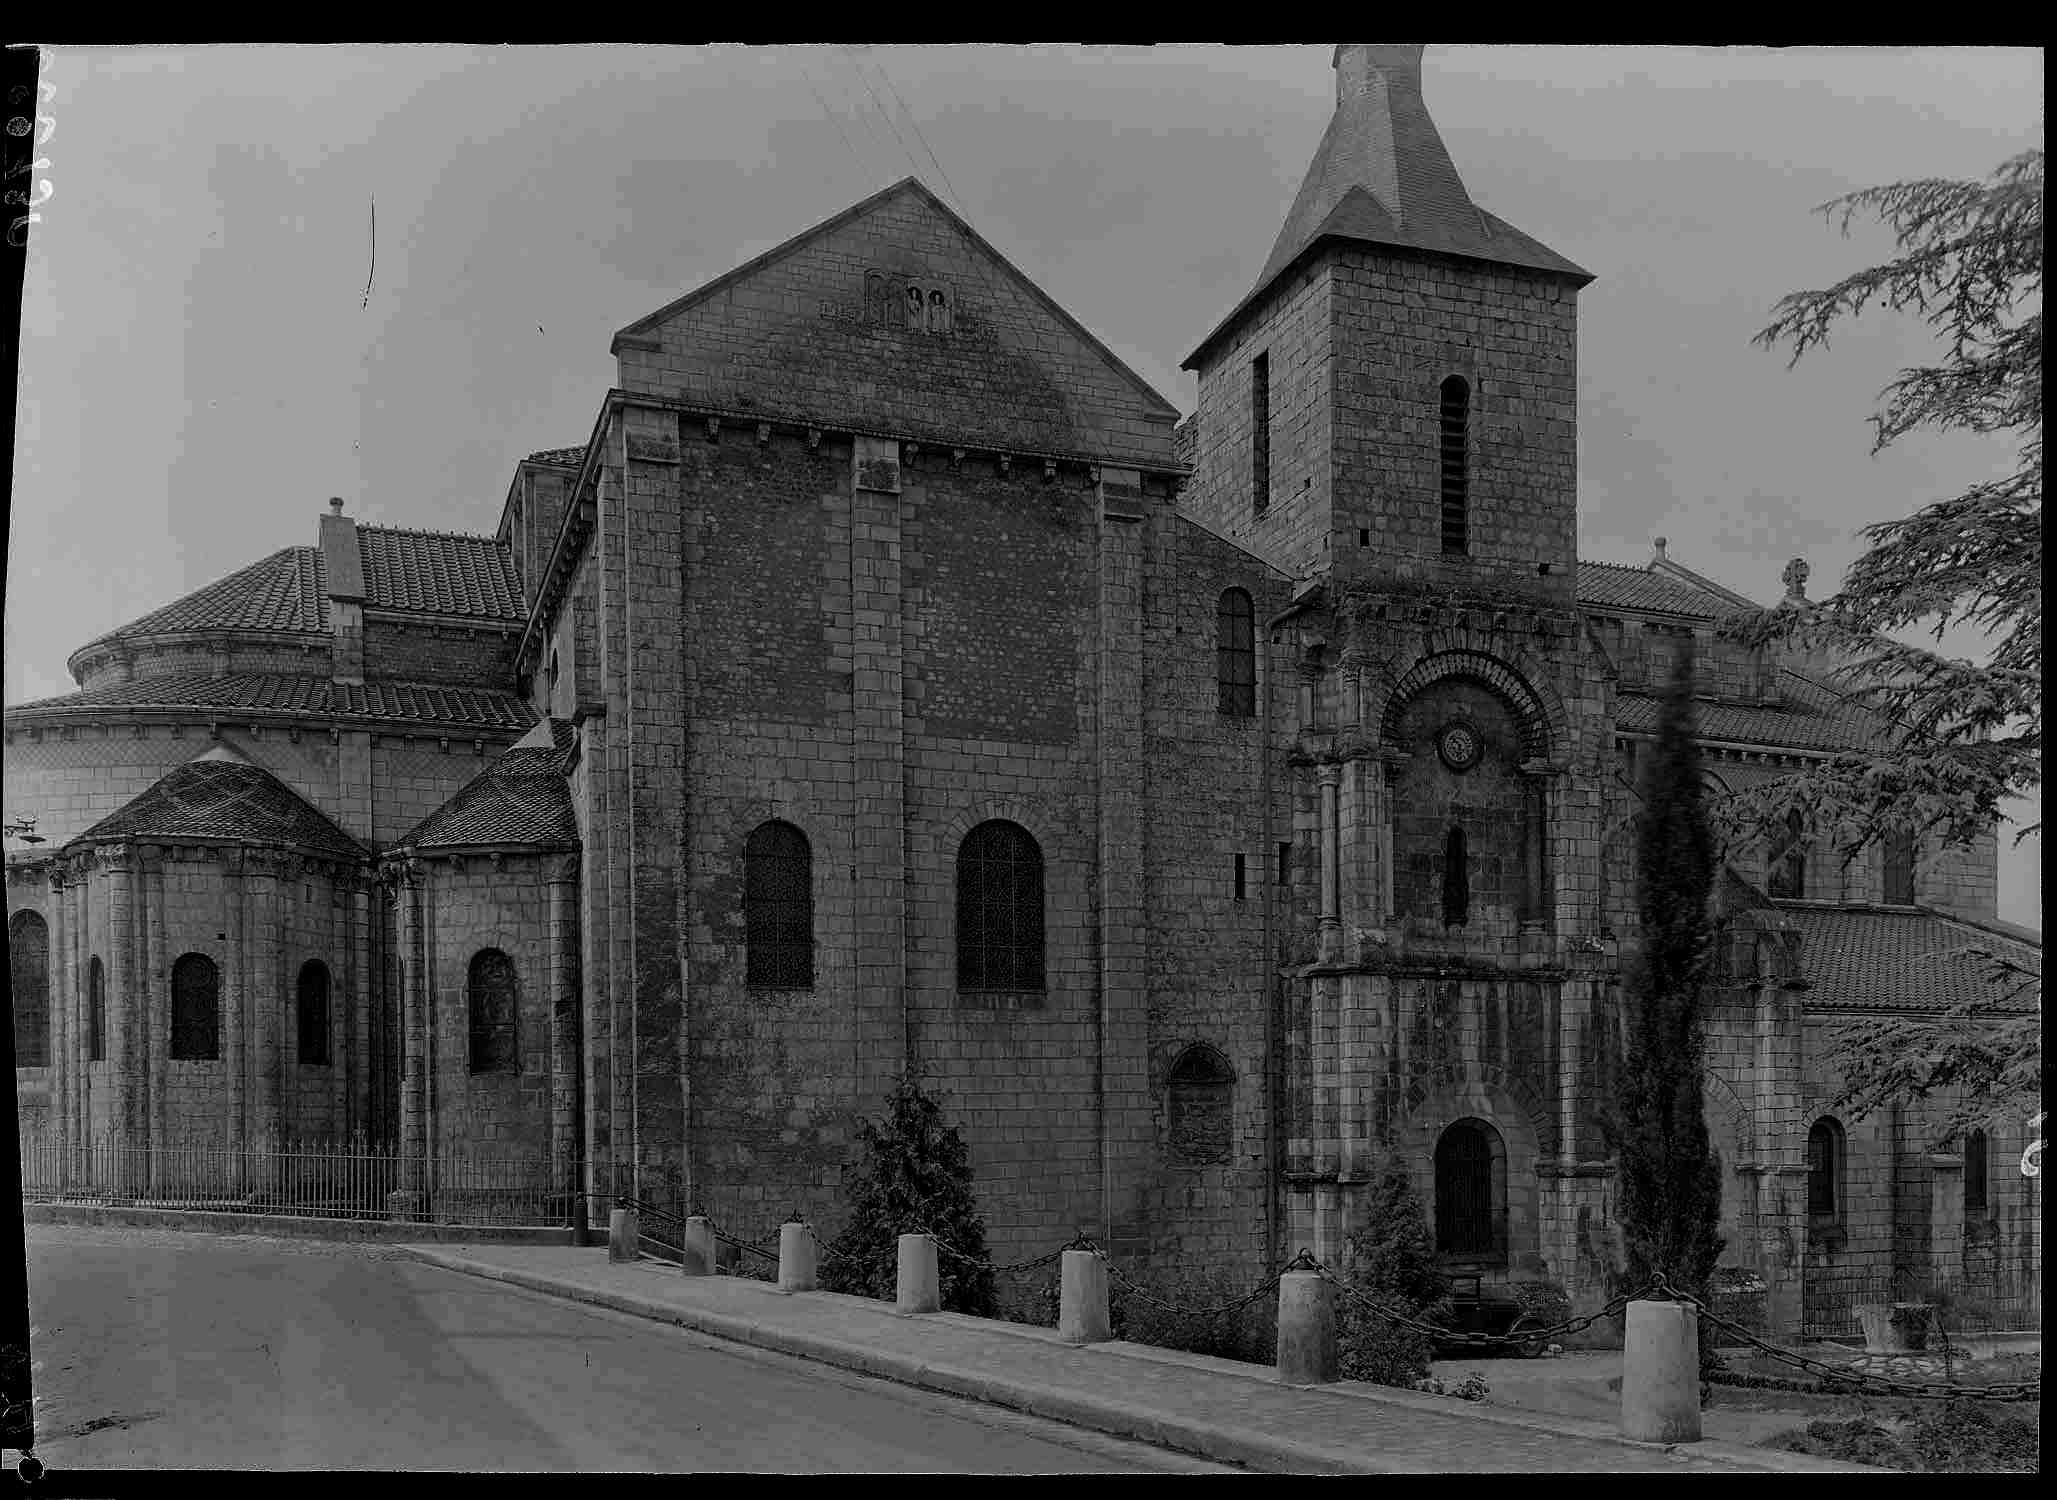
(1396, 399)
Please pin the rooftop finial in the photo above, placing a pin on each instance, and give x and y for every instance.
(336, 504)
(1795, 580)
(1660, 557)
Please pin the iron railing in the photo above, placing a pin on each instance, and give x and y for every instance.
(1971, 1306)
(331, 1179)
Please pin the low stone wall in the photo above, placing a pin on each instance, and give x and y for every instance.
(294, 1226)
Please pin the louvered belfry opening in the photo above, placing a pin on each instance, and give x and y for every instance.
(1456, 500)
(778, 907)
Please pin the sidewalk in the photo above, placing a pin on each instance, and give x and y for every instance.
(1221, 1409)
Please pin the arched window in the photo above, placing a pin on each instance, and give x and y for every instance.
(1202, 1100)
(1235, 654)
(1456, 483)
(1975, 1172)
(1466, 1194)
(939, 311)
(313, 1013)
(195, 1009)
(1456, 880)
(1825, 1148)
(778, 907)
(1787, 878)
(96, 1011)
(999, 909)
(875, 304)
(493, 1013)
(28, 967)
(1899, 868)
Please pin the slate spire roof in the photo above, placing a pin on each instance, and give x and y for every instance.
(1383, 176)
(221, 795)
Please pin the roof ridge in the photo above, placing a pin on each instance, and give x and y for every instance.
(460, 536)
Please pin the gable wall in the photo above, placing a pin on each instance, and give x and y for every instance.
(792, 338)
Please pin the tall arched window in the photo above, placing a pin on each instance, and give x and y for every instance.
(313, 1013)
(96, 1011)
(28, 967)
(1466, 1194)
(195, 1009)
(1456, 880)
(1235, 654)
(1975, 1172)
(493, 1013)
(999, 909)
(1825, 1148)
(1456, 480)
(778, 907)
(1787, 878)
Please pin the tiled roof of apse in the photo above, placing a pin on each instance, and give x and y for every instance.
(1864, 957)
(1614, 586)
(313, 697)
(438, 572)
(222, 796)
(521, 798)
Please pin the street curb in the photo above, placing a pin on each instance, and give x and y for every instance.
(1252, 1449)
(289, 1226)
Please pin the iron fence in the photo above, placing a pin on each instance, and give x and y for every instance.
(329, 1179)
(1975, 1306)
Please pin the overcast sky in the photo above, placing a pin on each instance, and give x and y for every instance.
(201, 368)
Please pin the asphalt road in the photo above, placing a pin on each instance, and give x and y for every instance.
(161, 1349)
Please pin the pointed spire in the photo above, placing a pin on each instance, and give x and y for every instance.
(1382, 142)
(1383, 176)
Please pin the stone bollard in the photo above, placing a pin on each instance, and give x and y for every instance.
(1082, 1311)
(796, 1257)
(624, 1235)
(698, 1256)
(1306, 1329)
(919, 1288)
(1660, 1373)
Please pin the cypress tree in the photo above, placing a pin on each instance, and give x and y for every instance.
(1670, 1178)
(912, 1177)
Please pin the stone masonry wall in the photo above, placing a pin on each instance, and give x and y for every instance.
(1295, 331)
(1210, 983)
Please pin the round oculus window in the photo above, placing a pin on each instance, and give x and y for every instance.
(1459, 747)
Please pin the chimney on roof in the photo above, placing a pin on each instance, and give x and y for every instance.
(1659, 556)
(342, 562)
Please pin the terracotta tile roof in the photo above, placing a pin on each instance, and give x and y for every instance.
(1863, 957)
(1612, 586)
(440, 572)
(315, 697)
(1810, 717)
(521, 798)
(286, 591)
(222, 796)
(563, 458)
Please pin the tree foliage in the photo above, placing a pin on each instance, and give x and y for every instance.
(1962, 737)
(1670, 1178)
(1393, 1261)
(913, 1176)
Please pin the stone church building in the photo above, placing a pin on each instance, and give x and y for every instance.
(892, 679)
